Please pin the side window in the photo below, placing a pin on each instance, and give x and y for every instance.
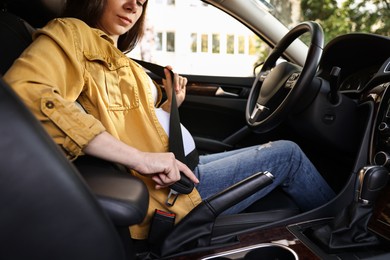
(198, 39)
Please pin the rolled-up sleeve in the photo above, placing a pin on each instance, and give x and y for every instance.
(49, 77)
(76, 129)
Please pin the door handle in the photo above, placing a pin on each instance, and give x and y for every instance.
(222, 93)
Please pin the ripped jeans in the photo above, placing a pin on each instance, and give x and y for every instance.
(284, 159)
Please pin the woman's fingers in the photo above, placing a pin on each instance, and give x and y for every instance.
(186, 171)
(164, 169)
(179, 84)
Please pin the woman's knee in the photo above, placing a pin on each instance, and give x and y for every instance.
(287, 146)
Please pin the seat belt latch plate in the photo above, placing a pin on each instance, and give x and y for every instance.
(172, 197)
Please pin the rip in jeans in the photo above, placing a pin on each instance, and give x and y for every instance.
(267, 145)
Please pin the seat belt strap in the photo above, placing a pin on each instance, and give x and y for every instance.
(184, 185)
(175, 134)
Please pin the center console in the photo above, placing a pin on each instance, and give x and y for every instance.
(297, 241)
(378, 226)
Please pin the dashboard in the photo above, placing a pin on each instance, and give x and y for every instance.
(364, 64)
(357, 81)
(363, 60)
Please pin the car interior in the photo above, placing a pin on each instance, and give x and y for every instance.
(51, 211)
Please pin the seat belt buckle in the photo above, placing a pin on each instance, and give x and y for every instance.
(161, 225)
(172, 197)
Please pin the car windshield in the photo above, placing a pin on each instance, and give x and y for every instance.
(335, 16)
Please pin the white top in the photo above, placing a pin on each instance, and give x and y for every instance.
(163, 118)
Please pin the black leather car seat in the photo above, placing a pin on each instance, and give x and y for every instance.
(47, 211)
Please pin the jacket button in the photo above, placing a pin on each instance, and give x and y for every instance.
(50, 104)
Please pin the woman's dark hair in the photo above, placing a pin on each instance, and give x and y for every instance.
(90, 12)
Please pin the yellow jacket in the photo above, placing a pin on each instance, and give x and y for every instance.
(69, 61)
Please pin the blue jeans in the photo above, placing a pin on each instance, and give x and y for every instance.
(284, 159)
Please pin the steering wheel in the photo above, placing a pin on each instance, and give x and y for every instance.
(278, 87)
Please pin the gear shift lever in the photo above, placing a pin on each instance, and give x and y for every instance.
(371, 181)
(349, 229)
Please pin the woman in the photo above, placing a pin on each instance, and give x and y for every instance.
(124, 123)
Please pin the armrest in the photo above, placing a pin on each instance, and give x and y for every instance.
(196, 228)
(124, 197)
(238, 192)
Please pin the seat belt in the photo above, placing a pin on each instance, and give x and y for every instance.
(184, 185)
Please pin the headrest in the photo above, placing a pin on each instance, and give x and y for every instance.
(55, 6)
(35, 12)
(17, 36)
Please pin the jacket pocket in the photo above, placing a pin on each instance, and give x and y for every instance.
(115, 84)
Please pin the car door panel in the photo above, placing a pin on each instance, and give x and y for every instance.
(214, 111)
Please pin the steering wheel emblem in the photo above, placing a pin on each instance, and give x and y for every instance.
(257, 111)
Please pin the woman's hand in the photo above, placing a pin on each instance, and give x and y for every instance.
(163, 168)
(179, 85)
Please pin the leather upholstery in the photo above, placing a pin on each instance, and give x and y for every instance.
(195, 230)
(123, 197)
(47, 211)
